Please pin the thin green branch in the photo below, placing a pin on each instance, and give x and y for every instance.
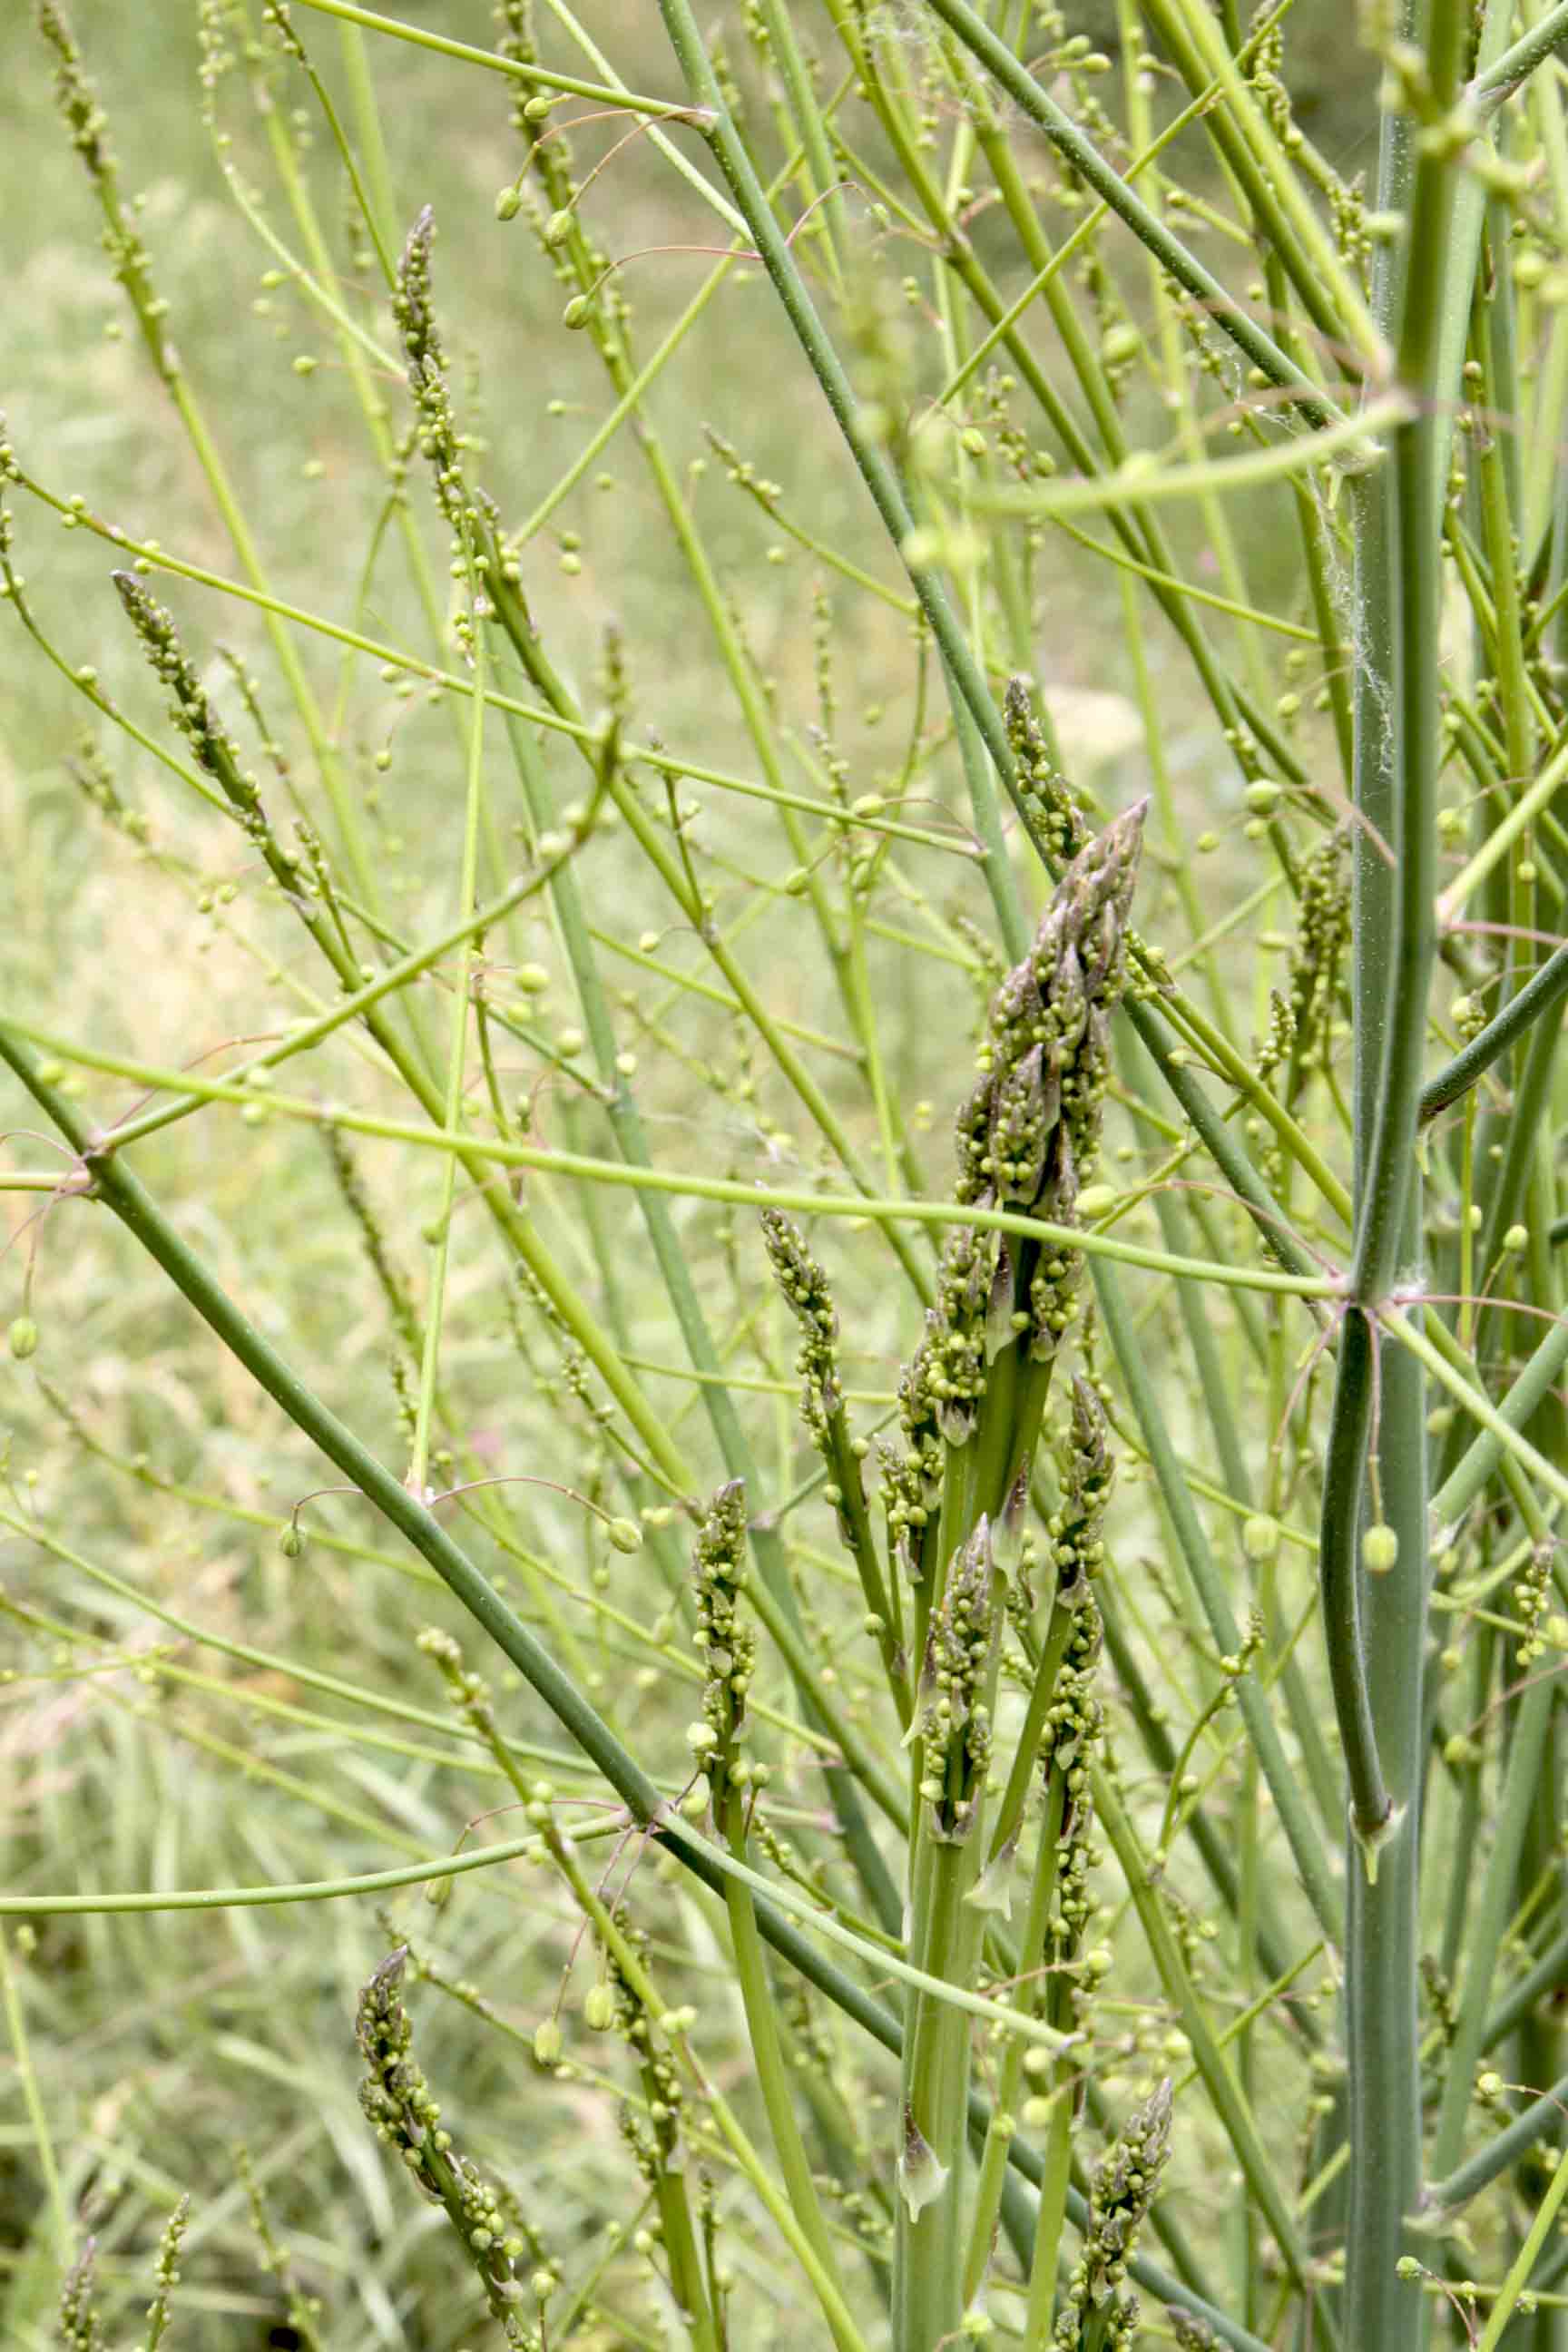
(1539, 996)
(100, 1147)
(1508, 73)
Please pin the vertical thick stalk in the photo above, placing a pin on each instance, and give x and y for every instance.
(1376, 1624)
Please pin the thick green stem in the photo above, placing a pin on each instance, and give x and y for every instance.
(1375, 1624)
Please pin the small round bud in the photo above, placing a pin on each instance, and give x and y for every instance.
(508, 204)
(1121, 344)
(599, 2008)
(626, 1535)
(576, 314)
(1380, 1548)
(548, 2039)
(1516, 1237)
(538, 108)
(1260, 1537)
(1262, 798)
(23, 1338)
(292, 1542)
(557, 229)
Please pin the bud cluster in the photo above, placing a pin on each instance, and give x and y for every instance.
(89, 127)
(805, 1286)
(470, 1691)
(953, 1715)
(1026, 1136)
(415, 314)
(166, 2277)
(77, 2324)
(1123, 2189)
(727, 1643)
(394, 2095)
(1059, 823)
(1322, 938)
(1026, 1140)
(190, 706)
(1075, 1525)
(1072, 1730)
(397, 2102)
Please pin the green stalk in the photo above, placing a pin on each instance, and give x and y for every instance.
(1514, 1410)
(1375, 1626)
(1524, 2261)
(767, 2057)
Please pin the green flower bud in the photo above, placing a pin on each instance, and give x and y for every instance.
(1379, 1549)
(292, 1542)
(599, 2008)
(576, 314)
(1260, 1537)
(548, 2038)
(626, 1535)
(557, 229)
(508, 204)
(23, 1338)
